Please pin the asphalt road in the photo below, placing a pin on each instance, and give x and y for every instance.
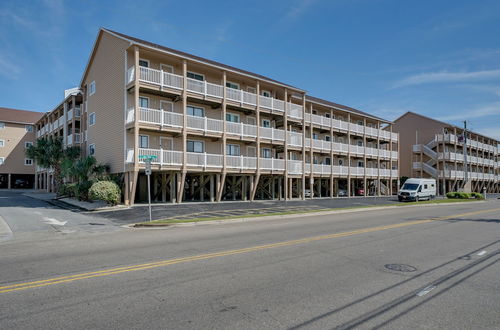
(314, 272)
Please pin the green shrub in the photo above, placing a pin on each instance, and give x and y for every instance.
(477, 195)
(451, 195)
(68, 189)
(107, 191)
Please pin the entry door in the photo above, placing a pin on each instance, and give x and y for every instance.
(166, 143)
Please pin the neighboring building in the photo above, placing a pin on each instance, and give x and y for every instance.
(17, 132)
(64, 121)
(433, 149)
(218, 132)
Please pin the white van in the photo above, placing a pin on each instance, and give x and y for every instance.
(417, 189)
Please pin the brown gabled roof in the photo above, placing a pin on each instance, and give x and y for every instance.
(198, 58)
(19, 116)
(445, 124)
(343, 107)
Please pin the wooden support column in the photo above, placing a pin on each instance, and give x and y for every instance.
(311, 152)
(202, 187)
(163, 187)
(349, 154)
(285, 124)
(182, 178)
(212, 191)
(331, 154)
(220, 185)
(126, 192)
(365, 183)
(134, 177)
(173, 186)
(303, 185)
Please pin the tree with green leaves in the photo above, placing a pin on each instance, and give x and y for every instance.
(50, 153)
(84, 171)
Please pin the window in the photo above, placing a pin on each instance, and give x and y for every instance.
(28, 161)
(166, 106)
(195, 146)
(315, 160)
(2, 125)
(341, 162)
(233, 150)
(252, 90)
(144, 63)
(361, 163)
(360, 143)
(266, 93)
(266, 153)
(327, 138)
(195, 76)
(28, 128)
(144, 102)
(28, 144)
(315, 112)
(232, 85)
(2, 143)
(327, 115)
(327, 161)
(195, 111)
(143, 141)
(91, 90)
(232, 117)
(360, 122)
(266, 123)
(315, 136)
(167, 68)
(92, 119)
(1, 160)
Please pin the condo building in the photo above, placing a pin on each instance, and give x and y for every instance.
(434, 149)
(17, 132)
(215, 132)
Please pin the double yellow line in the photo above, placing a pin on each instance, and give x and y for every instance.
(168, 262)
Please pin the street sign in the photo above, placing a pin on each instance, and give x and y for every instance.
(147, 159)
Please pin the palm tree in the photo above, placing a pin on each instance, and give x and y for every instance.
(50, 153)
(84, 171)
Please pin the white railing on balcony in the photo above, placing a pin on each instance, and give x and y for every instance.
(241, 162)
(357, 171)
(295, 139)
(295, 166)
(295, 111)
(241, 129)
(70, 139)
(272, 133)
(70, 114)
(161, 78)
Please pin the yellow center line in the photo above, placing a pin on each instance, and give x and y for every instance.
(163, 263)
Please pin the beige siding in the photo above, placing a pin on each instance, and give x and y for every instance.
(14, 137)
(107, 70)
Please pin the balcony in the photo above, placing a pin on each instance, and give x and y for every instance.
(206, 89)
(215, 161)
(74, 111)
(74, 138)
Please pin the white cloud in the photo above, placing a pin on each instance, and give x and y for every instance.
(442, 77)
(298, 8)
(8, 68)
(493, 132)
(492, 109)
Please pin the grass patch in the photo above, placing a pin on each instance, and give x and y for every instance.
(162, 222)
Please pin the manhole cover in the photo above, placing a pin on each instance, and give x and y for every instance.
(400, 268)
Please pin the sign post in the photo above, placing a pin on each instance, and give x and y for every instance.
(147, 160)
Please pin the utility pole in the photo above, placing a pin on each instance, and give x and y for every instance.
(465, 152)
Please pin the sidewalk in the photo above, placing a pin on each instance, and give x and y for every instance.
(72, 203)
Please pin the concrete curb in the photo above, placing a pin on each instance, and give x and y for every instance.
(5, 231)
(288, 216)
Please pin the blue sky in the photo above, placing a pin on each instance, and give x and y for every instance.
(386, 57)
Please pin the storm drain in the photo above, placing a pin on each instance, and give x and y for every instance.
(400, 268)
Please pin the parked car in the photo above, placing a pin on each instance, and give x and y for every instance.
(21, 183)
(359, 192)
(307, 192)
(342, 193)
